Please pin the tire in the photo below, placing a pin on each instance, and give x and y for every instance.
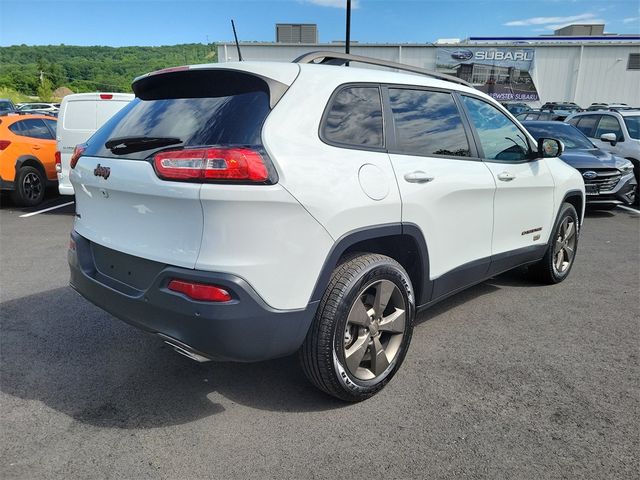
(353, 347)
(562, 248)
(29, 187)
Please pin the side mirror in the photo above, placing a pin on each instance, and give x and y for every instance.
(550, 147)
(609, 137)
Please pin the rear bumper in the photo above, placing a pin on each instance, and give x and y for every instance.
(64, 185)
(244, 329)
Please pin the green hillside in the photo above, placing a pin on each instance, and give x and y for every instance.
(85, 69)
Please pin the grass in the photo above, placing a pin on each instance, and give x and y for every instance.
(14, 95)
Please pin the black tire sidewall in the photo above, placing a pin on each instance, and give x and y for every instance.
(382, 271)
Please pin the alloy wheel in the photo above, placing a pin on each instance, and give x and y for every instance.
(565, 246)
(374, 331)
(31, 186)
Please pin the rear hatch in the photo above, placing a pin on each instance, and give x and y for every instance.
(138, 179)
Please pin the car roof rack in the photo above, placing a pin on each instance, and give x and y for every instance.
(338, 58)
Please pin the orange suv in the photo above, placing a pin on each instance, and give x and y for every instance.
(27, 156)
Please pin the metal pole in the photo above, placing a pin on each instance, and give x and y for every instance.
(233, 25)
(348, 34)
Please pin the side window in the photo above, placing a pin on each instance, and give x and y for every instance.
(609, 124)
(355, 118)
(33, 127)
(499, 137)
(52, 124)
(427, 123)
(586, 124)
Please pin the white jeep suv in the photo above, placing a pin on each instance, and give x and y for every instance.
(246, 211)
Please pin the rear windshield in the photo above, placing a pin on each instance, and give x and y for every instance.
(226, 120)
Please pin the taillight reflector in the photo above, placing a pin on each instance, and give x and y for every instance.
(217, 163)
(77, 153)
(4, 144)
(106, 96)
(200, 291)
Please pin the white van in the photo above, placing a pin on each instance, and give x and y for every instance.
(81, 114)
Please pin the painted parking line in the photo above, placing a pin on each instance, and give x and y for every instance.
(46, 210)
(630, 209)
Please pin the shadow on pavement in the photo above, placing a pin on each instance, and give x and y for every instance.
(58, 349)
(52, 199)
(61, 350)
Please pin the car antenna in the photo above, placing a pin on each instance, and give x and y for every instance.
(233, 25)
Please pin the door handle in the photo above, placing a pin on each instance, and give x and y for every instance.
(417, 177)
(36, 147)
(506, 176)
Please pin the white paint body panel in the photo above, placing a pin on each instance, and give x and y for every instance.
(135, 212)
(262, 234)
(81, 114)
(522, 204)
(454, 210)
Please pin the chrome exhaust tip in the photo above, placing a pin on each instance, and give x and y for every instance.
(184, 349)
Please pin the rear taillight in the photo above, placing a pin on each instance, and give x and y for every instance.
(214, 164)
(106, 96)
(58, 162)
(77, 153)
(200, 291)
(4, 144)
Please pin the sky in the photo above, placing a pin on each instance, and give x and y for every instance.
(169, 22)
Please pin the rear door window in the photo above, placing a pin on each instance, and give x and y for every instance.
(427, 123)
(609, 124)
(354, 118)
(33, 128)
(585, 124)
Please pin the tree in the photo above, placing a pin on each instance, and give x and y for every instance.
(45, 90)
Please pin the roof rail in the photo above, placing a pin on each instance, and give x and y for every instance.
(338, 58)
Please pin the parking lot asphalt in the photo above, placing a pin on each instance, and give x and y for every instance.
(509, 379)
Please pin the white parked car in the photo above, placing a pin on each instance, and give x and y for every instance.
(80, 115)
(246, 211)
(38, 107)
(616, 131)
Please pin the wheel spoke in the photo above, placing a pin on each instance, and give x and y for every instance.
(393, 323)
(358, 314)
(558, 245)
(569, 232)
(568, 251)
(355, 353)
(384, 289)
(560, 260)
(563, 228)
(379, 360)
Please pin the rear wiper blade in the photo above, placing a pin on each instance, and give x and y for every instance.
(123, 145)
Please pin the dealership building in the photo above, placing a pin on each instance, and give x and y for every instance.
(579, 63)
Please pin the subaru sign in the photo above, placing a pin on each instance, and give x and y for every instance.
(504, 73)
